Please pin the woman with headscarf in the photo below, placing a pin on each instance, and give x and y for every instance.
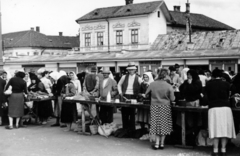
(27, 79)
(161, 117)
(75, 81)
(44, 107)
(143, 115)
(16, 99)
(69, 110)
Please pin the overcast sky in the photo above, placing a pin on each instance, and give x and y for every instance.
(55, 16)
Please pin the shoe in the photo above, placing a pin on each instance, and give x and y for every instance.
(55, 125)
(22, 125)
(44, 123)
(161, 147)
(155, 147)
(16, 126)
(9, 127)
(63, 126)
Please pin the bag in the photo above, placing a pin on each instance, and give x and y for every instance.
(236, 141)
(202, 139)
(105, 130)
(8, 91)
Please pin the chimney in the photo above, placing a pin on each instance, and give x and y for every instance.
(129, 2)
(37, 29)
(32, 28)
(60, 33)
(177, 8)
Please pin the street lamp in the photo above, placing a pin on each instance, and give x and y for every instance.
(188, 20)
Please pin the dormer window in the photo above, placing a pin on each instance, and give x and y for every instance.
(158, 14)
(95, 13)
(128, 10)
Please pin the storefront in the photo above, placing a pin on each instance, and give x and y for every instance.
(226, 64)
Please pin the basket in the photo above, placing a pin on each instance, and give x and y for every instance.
(93, 129)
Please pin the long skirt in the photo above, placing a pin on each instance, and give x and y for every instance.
(16, 105)
(45, 109)
(161, 120)
(220, 123)
(143, 115)
(69, 112)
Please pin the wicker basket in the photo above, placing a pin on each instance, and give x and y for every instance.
(93, 129)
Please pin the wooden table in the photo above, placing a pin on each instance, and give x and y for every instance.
(40, 100)
(183, 111)
(180, 109)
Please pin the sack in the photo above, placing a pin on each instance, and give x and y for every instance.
(93, 127)
(121, 133)
(236, 141)
(203, 139)
(105, 130)
(8, 91)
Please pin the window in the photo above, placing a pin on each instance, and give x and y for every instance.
(88, 39)
(119, 37)
(159, 14)
(134, 36)
(100, 38)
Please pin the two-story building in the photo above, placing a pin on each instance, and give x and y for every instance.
(113, 36)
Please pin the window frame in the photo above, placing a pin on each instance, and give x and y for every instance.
(100, 39)
(87, 39)
(119, 37)
(134, 36)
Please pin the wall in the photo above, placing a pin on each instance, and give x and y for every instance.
(125, 24)
(157, 25)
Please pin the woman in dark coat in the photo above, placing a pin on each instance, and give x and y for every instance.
(16, 99)
(2, 96)
(69, 110)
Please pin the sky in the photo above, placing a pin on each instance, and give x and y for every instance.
(54, 16)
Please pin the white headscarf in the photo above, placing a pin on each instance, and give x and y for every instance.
(41, 70)
(61, 72)
(184, 74)
(76, 82)
(55, 75)
(150, 77)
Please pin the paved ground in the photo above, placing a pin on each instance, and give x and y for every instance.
(47, 141)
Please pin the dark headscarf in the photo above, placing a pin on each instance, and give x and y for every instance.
(194, 75)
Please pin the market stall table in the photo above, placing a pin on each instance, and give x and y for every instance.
(182, 109)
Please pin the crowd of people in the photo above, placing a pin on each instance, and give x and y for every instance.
(170, 86)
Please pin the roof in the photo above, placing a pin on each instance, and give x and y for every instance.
(198, 21)
(121, 11)
(211, 40)
(217, 44)
(32, 38)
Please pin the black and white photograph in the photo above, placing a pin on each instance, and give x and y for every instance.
(120, 78)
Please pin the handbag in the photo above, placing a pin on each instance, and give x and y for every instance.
(8, 91)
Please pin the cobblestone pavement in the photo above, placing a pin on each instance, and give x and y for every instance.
(36, 140)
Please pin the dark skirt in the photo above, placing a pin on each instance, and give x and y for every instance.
(16, 105)
(44, 109)
(161, 120)
(69, 112)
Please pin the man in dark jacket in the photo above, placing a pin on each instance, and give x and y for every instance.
(2, 96)
(129, 87)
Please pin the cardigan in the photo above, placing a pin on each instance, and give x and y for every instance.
(217, 92)
(161, 93)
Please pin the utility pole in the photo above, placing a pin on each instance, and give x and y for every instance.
(1, 46)
(188, 21)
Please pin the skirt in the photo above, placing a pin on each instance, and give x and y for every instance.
(220, 123)
(143, 115)
(45, 109)
(69, 112)
(161, 120)
(16, 105)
